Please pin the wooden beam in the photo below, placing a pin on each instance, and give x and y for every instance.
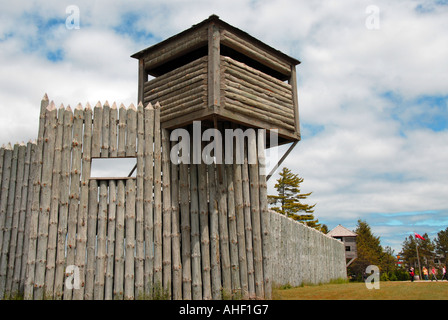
(279, 163)
(214, 65)
(295, 100)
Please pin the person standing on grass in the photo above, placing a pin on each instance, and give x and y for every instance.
(444, 274)
(433, 273)
(411, 273)
(425, 273)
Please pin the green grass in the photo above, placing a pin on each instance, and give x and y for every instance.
(389, 290)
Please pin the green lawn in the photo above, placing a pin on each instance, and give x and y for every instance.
(389, 290)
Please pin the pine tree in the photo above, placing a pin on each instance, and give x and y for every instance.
(288, 200)
(441, 244)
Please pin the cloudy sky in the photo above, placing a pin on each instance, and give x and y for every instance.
(373, 89)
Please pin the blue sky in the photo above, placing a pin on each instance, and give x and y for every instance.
(373, 102)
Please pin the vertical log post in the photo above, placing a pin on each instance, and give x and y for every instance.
(139, 221)
(33, 231)
(63, 202)
(8, 223)
(74, 192)
(148, 199)
(112, 209)
(45, 201)
(158, 268)
(80, 258)
(53, 229)
(175, 226)
(15, 220)
(131, 136)
(195, 233)
(166, 211)
(93, 205)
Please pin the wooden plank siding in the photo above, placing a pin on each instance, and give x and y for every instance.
(180, 91)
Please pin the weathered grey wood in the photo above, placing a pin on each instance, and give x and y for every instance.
(100, 268)
(214, 69)
(112, 207)
(239, 215)
(129, 293)
(81, 242)
(241, 70)
(120, 213)
(233, 238)
(264, 91)
(53, 219)
(175, 228)
(158, 278)
(7, 166)
(248, 226)
(185, 230)
(295, 100)
(166, 162)
(198, 104)
(122, 112)
(29, 200)
(105, 129)
(265, 215)
(131, 135)
(233, 103)
(223, 231)
(178, 102)
(5, 190)
(75, 175)
(188, 79)
(113, 131)
(8, 232)
(97, 132)
(119, 243)
(162, 82)
(142, 78)
(261, 104)
(139, 220)
(63, 202)
(16, 285)
(91, 239)
(45, 201)
(93, 209)
(215, 260)
(205, 235)
(255, 52)
(195, 235)
(16, 217)
(31, 259)
(256, 219)
(110, 254)
(148, 199)
(2, 153)
(131, 131)
(176, 48)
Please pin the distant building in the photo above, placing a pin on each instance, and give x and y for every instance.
(349, 239)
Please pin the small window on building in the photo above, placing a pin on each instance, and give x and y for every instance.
(347, 248)
(113, 168)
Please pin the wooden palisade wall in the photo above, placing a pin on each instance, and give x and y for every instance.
(183, 231)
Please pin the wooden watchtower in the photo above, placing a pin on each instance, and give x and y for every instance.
(214, 71)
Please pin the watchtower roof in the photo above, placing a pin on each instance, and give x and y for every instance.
(341, 231)
(214, 19)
